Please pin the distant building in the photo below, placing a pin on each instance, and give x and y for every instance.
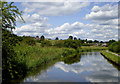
(96, 44)
(104, 44)
(37, 38)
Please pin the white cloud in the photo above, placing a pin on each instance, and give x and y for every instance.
(76, 29)
(53, 8)
(105, 15)
(104, 26)
(32, 18)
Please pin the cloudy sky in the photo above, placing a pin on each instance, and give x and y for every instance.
(85, 20)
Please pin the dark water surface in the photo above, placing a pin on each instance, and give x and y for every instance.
(89, 67)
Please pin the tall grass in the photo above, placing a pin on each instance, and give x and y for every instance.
(89, 48)
(34, 56)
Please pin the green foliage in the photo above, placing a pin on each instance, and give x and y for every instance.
(68, 52)
(90, 41)
(111, 56)
(72, 59)
(86, 44)
(42, 38)
(110, 42)
(9, 14)
(31, 42)
(45, 43)
(75, 38)
(115, 47)
(33, 56)
(72, 43)
(70, 37)
(56, 38)
(59, 43)
(9, 63)
(89, 48)
(95, 41)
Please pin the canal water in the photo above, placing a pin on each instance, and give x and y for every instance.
(88, 67)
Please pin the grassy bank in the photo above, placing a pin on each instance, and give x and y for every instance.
(34, 56)
(89, 48)
(30, 57)
(111, 57)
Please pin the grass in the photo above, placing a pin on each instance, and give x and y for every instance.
(111, 57)
(34, 56)
(89, 48)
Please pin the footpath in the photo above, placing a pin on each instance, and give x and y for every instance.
(113, 53)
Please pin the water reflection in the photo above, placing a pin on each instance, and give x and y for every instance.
(96, 67)
(88, 67)
(73, 59)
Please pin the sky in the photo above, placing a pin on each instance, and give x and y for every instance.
(84, 20)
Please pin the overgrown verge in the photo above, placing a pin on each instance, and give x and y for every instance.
(111, 57)
(34, 56)
(90, 48)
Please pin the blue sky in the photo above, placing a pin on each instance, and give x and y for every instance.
(62, 19)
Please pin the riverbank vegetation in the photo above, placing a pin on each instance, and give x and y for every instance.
(113, 52)
(112, 57)
(115, 47)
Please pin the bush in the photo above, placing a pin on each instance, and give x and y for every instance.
(45, 43)
(30, 42)
(59, 43)
(115, 47)
(9, 63)
(86, 44)
(72, 43)
(67, 52)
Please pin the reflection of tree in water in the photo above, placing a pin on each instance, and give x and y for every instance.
(36, 71)
(93, 52)
(73, 59)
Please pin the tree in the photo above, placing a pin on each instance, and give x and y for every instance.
(9, 64)
(101, 42)
(9, 14)
(95, 41)
(90, 41)
(110, 42)
(42, 38)
(72, 43)
(37, 36)
(56, 38)
(75, 38)
(86, 40)
(70, 37)
(46, 43)
(79, 39)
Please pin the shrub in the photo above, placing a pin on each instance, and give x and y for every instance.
(115, 47)
(59, 43)
(72, 43)
(85, 44)
(67, 52)
(30, 42)
(45, 43)
(9, 63)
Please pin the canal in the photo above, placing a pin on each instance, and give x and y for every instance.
(88, 67)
